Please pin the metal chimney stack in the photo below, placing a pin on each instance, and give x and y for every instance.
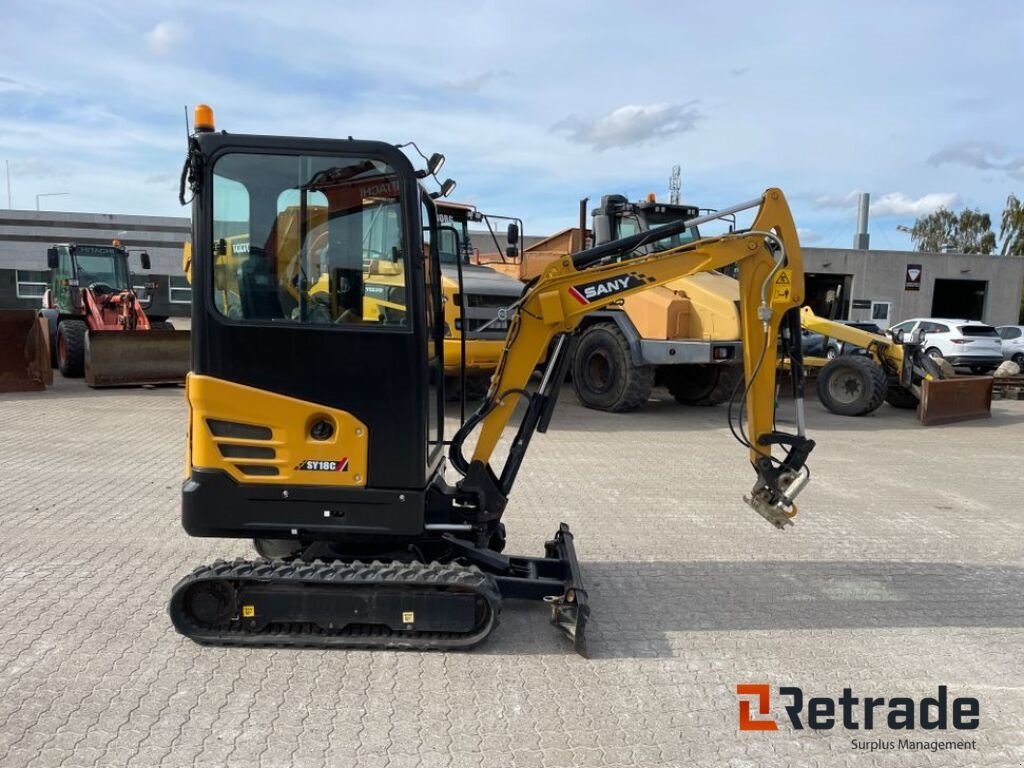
(860, 240)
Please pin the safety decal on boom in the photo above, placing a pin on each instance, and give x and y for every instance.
(585, 293)
(783, 285)
(320, 465)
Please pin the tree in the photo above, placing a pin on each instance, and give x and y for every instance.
(970, 232)
(1011, 231)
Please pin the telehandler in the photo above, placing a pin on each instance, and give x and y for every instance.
(322, 435)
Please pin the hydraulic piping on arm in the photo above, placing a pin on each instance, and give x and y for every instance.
(771, 281)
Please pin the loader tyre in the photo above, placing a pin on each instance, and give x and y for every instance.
(603, 373)
(71, 348)
(852, 385)
(703, 384)
(898, 397)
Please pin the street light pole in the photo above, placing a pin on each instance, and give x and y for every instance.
(48, 194)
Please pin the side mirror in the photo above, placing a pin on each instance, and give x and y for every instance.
(602, 228)
(144, 256)
(512, 252)
(446, 189)
(51, 258)
(513, 234)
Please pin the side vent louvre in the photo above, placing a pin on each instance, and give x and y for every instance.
(229, 451)
(257, 469)
(238, 431)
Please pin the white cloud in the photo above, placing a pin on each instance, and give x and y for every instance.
(899, 204)
(808, 236)
(631, 124)
(165, 37)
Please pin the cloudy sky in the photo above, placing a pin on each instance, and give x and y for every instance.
(536, 104)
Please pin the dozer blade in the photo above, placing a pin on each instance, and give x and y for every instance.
(126, 358)
(959, 399)
(24, 351)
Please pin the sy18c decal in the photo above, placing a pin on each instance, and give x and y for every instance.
(322, 465)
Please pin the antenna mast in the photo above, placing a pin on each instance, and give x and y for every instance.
(674, 185)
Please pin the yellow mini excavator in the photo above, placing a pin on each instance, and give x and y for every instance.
(321, 434)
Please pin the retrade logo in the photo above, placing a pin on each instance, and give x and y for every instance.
(850, 712)
(762, 695)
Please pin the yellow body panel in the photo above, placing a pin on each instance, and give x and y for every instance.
(340, 460)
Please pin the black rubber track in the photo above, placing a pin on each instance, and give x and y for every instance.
(424, 577)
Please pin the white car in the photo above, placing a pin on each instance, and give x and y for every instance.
(965, 343)
(1013, 343)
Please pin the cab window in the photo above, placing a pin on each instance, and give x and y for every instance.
(308, 239)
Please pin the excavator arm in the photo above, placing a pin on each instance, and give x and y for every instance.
(554, 303)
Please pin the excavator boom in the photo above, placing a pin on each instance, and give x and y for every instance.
(771, 283)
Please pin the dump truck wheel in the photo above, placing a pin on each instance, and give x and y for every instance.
(898, 397)
(852, 386)
(603, 373)
(71, 348)
(161, 325)
(703, 384)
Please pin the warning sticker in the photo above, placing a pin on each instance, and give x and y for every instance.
(248, 611)
(408, 617)
(783, 285)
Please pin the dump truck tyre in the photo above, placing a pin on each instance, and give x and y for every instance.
(703, 385)
(71, 348)
(898, 397)
(603, 373)
(852, 385)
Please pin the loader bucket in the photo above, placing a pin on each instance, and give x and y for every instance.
(958, 399)
(24, 351)
(126, 358)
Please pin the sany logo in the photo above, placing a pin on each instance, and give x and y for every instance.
(823, 713)
(585, 293)
(318, 465)
(761, 691)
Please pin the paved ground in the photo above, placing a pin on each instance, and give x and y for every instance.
(904, 572)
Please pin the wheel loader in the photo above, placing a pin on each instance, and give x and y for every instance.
(897, 371)
(321, 435)
(98, 325)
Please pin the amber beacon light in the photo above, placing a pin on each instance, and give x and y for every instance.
(203, 118)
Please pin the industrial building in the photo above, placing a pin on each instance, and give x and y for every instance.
(883, 286)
